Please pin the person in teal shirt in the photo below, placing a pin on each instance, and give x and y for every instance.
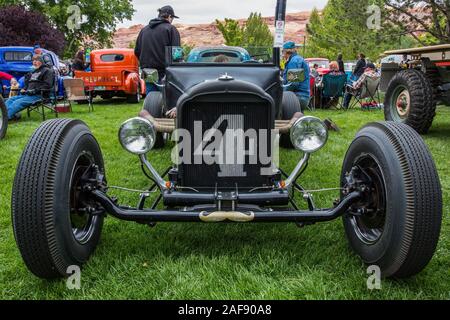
(295, 61)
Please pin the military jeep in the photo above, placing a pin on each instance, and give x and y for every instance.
(224, 169)
(416, 85)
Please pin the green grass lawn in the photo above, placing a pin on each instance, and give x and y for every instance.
(232, 261)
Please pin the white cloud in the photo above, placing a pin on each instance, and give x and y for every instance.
(205, 11)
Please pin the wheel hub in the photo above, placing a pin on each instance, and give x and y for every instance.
(83, 212)
(369, 215)
(403, 104)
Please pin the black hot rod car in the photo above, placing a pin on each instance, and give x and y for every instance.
(390, 195)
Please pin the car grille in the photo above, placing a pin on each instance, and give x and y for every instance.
(223, 116)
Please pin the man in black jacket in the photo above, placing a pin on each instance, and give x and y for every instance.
(360, 67)
(37, 83)
(153, 40)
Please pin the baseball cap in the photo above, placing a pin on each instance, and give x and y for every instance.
(371, 65)
(289, 45)
(167, 10)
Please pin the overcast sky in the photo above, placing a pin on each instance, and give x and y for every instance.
(205, 11)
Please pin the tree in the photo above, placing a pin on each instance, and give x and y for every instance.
(256, 32)
(21, 27)
(98, 18)
(350, 27)
(232, 32)
(428, 21)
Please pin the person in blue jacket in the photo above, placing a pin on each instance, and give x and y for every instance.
(295, 61)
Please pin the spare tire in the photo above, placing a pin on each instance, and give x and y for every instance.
(3, 119)
(153, 104)
(410, 100)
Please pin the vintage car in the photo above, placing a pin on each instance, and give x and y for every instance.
(16, 61)
(416, 85)
(224, 168)
(3, 119)
(323, 63)
(208, 54)
(114, 73)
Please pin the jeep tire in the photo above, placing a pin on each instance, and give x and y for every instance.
(410, 99)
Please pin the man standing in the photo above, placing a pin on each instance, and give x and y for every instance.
(295, 61)
(153, 40)
(340, 61)
(39, 81)
(360, 67)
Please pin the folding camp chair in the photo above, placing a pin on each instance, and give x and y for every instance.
(368, 95)
(333, 89)
(48, 101)
(76, 91)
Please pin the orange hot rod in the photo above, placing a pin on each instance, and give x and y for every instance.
(114, 73)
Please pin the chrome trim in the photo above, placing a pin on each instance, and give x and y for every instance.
(159, 180)
(295, 173)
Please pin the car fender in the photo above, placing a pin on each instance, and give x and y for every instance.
(131, 82)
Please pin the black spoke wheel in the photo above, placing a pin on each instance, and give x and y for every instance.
(3, 119)
(56, 223)
(396, 224)
(83, 223)
(369, 226)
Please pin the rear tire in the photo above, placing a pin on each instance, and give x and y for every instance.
(400, 231)
(50, 229)
(134, 98)
(410, 100)
(289, 107)
(3, 119)
(153, 104)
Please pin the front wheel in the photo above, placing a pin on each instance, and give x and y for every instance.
(3, 119)
(397, 223)
(153, 104)
(289, 107)
(54, 223)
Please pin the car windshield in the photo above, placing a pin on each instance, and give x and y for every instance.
(324, 64)
(112, 57)
(17, 56)
(349, 66)
(219, 55)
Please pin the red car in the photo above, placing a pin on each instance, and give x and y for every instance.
(324, 65)
(114, 73)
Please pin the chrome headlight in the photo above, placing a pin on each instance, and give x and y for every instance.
(137, 136)
(309, 134)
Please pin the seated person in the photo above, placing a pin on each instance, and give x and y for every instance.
(314, 71)
(7, 77)
(295, 61)
(14, 88)
(40, 79)
(369, 72)
(221, 59)
(334, 71)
